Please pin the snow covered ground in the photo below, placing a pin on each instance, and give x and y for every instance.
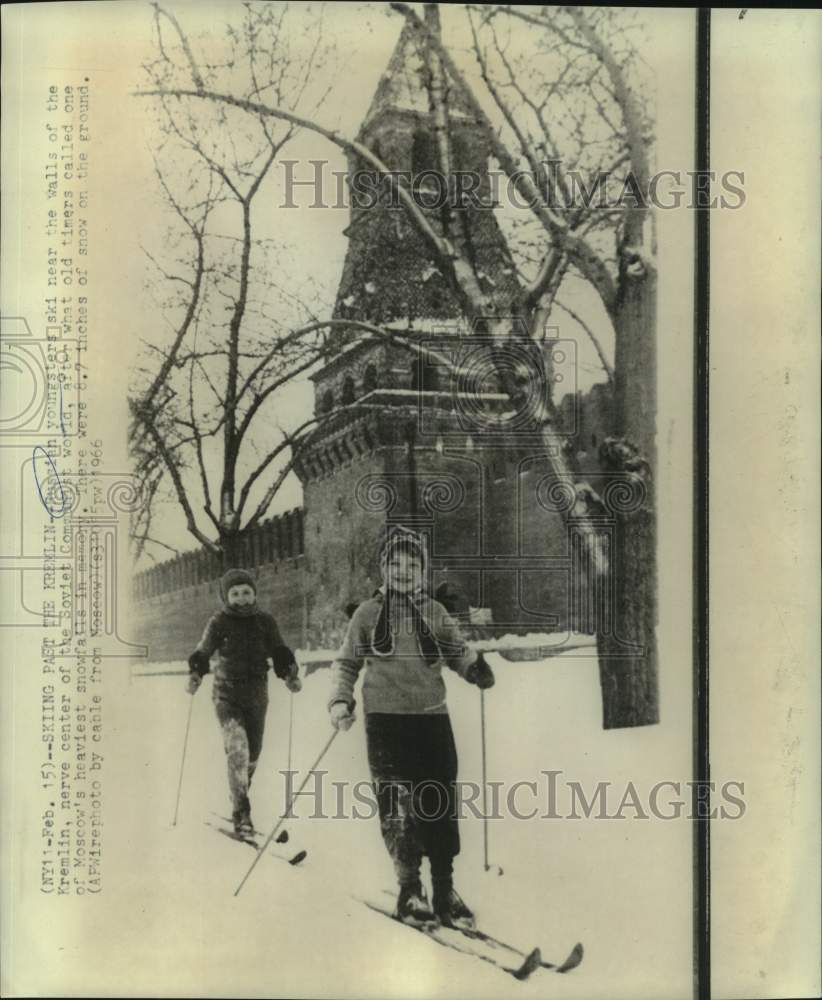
(619, 886)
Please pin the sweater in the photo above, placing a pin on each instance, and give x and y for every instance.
(401, 683)
(244, 641)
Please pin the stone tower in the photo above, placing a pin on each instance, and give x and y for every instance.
(417, 449)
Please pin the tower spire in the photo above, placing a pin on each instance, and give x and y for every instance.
(402, 87)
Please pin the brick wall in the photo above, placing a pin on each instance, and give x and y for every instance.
(171, 624)
(172, 601)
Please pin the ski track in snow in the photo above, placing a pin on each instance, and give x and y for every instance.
(299, 931)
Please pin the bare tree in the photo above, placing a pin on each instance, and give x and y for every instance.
(589, 74)
(576, 115)
(201, 394)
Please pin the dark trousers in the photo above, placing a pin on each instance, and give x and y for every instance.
(241, 710)
(413, 762)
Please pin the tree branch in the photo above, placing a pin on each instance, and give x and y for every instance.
(437, 245)
(577, 249)
(195, 72)
(609, 371)
(176, 478)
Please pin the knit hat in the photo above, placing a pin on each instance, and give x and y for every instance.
(234, 578)
(397, 536)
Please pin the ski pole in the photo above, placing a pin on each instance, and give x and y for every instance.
(290, 737)
(484, 783)
(183, 761)
(281, 820)
(290, 725)
(485, 789)
(282, 839)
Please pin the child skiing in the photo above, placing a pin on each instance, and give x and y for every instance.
(246, 640)
(402, 637)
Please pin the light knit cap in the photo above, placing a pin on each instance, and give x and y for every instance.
(397, 535)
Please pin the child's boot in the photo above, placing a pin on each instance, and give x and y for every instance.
(413, 906)
(451, 910)
(241, 817)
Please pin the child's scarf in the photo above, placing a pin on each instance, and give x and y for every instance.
(382, 639)
(240, 610)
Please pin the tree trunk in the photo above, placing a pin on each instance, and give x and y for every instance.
(627, 649)
(231, 543)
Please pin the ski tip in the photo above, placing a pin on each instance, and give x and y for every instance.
(298, 857)
(532, 962)
(573, 960)
(283, 837)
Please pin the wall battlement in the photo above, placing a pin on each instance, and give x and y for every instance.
(278, 538)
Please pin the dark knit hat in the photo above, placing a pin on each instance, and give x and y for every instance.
(233, 578)
(397, 536)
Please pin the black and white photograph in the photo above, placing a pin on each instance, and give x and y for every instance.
(409, 540)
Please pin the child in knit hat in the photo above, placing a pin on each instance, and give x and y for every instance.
(246, 641)
(403, 637)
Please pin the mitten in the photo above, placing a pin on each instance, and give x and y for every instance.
(342, 715)
(198, 663)
(294, 684)
(194, 681)
(480, 673)
(283, 660)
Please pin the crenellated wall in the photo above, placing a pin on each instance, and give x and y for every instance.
(278, 538)
(172, 601)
